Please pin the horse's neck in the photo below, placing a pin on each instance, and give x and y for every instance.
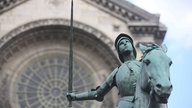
(143, 99)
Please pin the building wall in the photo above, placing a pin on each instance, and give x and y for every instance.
(37, 30)
(46, 9)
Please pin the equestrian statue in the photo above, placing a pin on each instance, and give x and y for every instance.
(141, 83)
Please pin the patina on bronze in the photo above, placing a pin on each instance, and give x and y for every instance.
(141, 84)
(153, 84)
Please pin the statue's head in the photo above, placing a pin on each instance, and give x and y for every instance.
(117, 41)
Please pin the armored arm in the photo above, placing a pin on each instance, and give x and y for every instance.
(95, 94)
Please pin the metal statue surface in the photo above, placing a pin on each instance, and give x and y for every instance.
(153, 84)
(138, 82)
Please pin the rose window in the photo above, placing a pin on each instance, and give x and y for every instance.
(43, 83)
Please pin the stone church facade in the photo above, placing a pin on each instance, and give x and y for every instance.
(34, 48)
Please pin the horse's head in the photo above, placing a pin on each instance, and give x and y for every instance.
(156, 66)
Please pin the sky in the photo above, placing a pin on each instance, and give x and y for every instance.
(176, 15)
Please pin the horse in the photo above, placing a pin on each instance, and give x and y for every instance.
(153, 86)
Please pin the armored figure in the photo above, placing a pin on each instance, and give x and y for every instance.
(123, 77)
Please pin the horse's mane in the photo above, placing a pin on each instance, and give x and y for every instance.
(147, 48)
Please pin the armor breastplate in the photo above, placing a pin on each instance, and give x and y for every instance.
(126, 78)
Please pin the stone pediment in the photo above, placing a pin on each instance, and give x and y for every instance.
(125, 9)
(138, 20)
(120, 8)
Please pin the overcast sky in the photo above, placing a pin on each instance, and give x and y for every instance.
(177, 16)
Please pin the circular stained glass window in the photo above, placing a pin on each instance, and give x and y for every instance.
(43, 83)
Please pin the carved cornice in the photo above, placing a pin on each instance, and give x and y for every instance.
(113, 9)
(152, 29)
(9, 4)
(124, 10)
(138, 20)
